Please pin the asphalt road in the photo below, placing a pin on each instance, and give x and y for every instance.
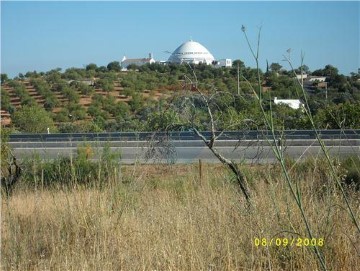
(187, 151)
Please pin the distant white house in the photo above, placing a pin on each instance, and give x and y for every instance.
(317, 78)
(89, 82)
(292, 103)
(303, 76)
(125, 62)
(223, 63)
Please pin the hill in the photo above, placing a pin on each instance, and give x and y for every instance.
(108, 99)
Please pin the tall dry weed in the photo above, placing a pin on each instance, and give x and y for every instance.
(164, 218)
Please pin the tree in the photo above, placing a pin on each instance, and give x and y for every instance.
(304, 68)
(114, 66)
(69, 92)
(329, 71)
(237, 63)
(72, 74)
(136, 102)
(83, 88)
(132, 67)
(77, 111)
(50, 102)
(33, 74)
(162, 120)
(341, 116)
(33, 119)
(91, 66)
(54, 76)
(340, 82)
(105, 84)
(4, 78)
(5, 100)
(101, 69)
(275, 67)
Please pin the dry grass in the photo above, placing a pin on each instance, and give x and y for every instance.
(165, 218)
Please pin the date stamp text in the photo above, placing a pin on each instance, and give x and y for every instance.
(292, 242)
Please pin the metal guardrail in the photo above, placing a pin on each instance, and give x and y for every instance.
(186, 136)
(181, 143)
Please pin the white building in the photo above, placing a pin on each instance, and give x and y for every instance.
(223, 63)
(125, 62)
(294, 104)
(191, 52)
(89, 82)
(301, 76)
(317, 78)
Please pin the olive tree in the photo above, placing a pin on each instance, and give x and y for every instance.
(33, 119)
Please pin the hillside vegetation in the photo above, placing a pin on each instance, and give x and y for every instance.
(145, 98)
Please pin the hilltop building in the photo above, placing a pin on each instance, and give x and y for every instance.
(191, 52)
(125, 62)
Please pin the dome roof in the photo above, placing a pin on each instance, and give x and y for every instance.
(191, 52)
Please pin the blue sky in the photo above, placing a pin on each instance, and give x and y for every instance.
(45, 35)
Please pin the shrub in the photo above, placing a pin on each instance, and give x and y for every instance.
(50, 102)
(76, 111)
(79, 170)
(105, 84)
(79, 127)
(352, 169)
(33, 119)
(5, 100)
(62, 172)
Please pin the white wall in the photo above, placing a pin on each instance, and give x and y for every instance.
(224, 63)
(294, 104)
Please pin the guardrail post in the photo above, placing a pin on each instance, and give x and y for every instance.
(200, 171)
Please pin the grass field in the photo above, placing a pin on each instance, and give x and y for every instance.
(168, 218)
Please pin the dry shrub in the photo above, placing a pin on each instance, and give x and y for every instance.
(164, 218)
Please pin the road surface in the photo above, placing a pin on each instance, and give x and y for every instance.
(184, 147)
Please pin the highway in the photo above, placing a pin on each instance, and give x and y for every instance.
(186, 147)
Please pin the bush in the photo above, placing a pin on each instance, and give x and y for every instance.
(5, 100)
(62, 116)
(94, 110)
(50, 102)
(33, 119)
(352, 172)
(67, 172)
(71, 94)
(105, 84)
(80, 127)
(62, 172)
(76, 111)
(85, 89)
(341, 116)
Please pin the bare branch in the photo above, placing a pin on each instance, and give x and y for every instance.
(241, 180)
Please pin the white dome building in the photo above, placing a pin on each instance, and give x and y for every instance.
(191, 52)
